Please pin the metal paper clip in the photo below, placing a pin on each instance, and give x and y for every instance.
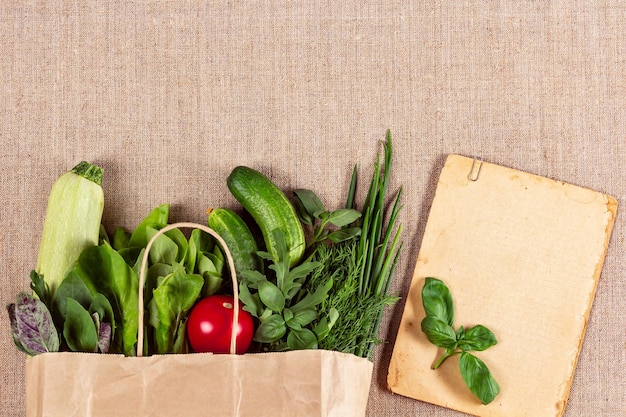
(475, 170)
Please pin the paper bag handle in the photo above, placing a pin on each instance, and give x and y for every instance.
(231, 266)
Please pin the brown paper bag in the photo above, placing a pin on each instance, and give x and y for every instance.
(299, 383)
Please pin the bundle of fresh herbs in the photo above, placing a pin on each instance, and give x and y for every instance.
(359, 259)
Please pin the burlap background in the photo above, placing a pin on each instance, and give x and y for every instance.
(169, 96)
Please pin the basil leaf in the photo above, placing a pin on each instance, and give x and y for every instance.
(437, 300)
(477, 338)
(310, 203)
(315, 298)
(251, 302)
(439, 333)
(342, 217)
(287, 315)
(478, 378)
(271, 296)
(304, 317)
(31, 326)
(342, 235)
(79, 329)
(271, 329)
(301, 339)
(303, 215)
(460, 334)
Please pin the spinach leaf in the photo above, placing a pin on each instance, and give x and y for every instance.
(71, 288)
(105, 271)
(121, 237)
(199, 242)
(171, 300)
(79, 330)
(157, 218)
(308, 205)
(101, 306)
(340, 217)
(164, 249)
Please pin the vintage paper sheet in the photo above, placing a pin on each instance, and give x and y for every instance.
(522, 255)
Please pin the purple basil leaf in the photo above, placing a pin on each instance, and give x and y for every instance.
(16, 340)
(34, 326)
(104, 337)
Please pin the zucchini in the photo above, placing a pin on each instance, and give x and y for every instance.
(270, 209)
(238, 237)
(72, 221)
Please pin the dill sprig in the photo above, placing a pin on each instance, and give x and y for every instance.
(361, 267)
(357, 314)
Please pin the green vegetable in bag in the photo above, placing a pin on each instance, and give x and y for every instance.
(72, 221)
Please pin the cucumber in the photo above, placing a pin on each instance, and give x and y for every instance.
(238, 237)
(72, 221)
(270, 209)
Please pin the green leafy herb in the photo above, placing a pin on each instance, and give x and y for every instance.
(379, 246)
(359, 257)
(40, 288)
(31, 326)
(285, 310)
(438, 328)
(346, 317)
(312, 213)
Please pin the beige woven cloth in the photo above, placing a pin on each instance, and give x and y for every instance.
(169, 96)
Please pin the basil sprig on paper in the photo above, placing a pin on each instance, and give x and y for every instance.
(438, 327)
